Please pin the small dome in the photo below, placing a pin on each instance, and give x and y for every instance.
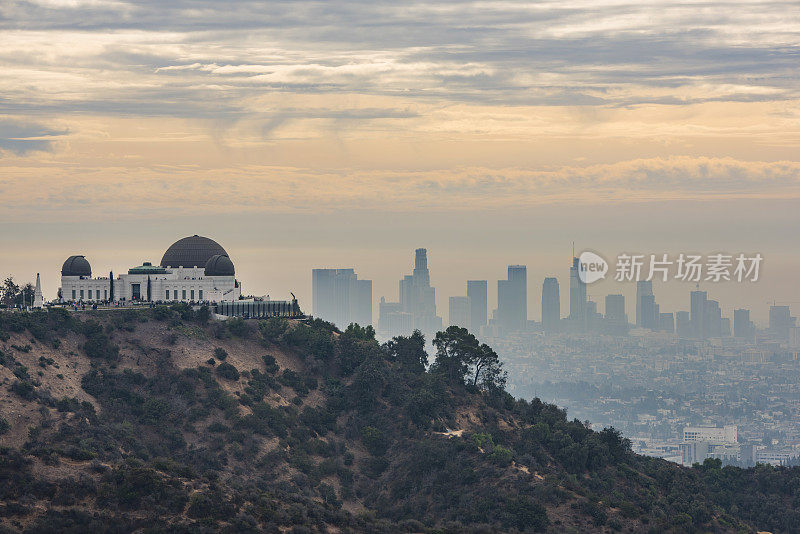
(76, 266)
(220, 265)
(194, 251)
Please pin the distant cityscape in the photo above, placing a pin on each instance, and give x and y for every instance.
(341, 298)
(684, 386)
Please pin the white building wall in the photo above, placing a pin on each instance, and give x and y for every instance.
(183, 285)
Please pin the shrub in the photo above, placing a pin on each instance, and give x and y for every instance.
(220, 353)
(237, 327)
(227, 371)
(501, 455)
(271, 364)
(4, 426)
(526, 514)
(24, 389)
(374, 440)
(203, 314)
(162, 313)
(272, 329)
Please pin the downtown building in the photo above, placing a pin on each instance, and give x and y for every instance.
(511, 314)
(470, 312)
(577, 298)
(416, 309)
(340, 297)
(551, 305)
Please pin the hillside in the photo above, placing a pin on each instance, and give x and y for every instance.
(163, 420)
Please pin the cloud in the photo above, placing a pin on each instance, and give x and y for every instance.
(175, 58)
(21, 138)
(273, 189)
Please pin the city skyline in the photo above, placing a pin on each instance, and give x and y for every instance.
(629, 291)
(322, 138)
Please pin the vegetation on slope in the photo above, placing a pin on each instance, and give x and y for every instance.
(179, 423)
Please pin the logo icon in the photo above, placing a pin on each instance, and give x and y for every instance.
(591, 267)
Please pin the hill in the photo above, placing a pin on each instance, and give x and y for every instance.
(161, 419)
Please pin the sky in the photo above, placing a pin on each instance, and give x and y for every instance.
(346, 134)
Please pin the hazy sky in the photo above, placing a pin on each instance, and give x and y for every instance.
(306, 134)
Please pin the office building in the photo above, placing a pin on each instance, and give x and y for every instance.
(340, 297)
(577, 296)
(645, 305)
(743, 327)
(551, 305)
(511, 314)
(459, 312)
(698, 301)
(683, 324)
(615, 308)
(416, 309)
(781, 322)
(478, 305)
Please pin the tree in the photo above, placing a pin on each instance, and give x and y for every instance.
(461, 358)
(203, 314)
(273, 329)
(487, 369)
(356, 331)
(111, 286)
(9, 291)
(454, 347)
(409, 351)
(149, 293)
(25, 295)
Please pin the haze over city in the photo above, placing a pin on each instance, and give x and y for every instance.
(350, 133)
(367, 266)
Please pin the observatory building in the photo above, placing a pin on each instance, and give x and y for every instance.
(193, 269)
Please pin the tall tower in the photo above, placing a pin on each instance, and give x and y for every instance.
(340, 297)
(698, 313)
(512, 299)
(38, 301)
(551, 305)
(476, 292)
(577, 294)
(615, 308)
(418, 298)
(644, 289)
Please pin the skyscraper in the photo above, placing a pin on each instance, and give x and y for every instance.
(615, 308)
(742, 325)
(418, 298)
(698, 313)
(551, 305)
(781, 322)
(512, 300)
(712, 320)
(648, 312)
(683, 324)
(476, 292)
(340, 297)
(577, 295)
(361, 312)
(459, 312)
(645, 318)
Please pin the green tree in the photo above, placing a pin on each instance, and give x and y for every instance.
(462, 359)
(9, 291)
(359, 332)
(203, 314)
(409, 351)
(25, 295)
(273, 329)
